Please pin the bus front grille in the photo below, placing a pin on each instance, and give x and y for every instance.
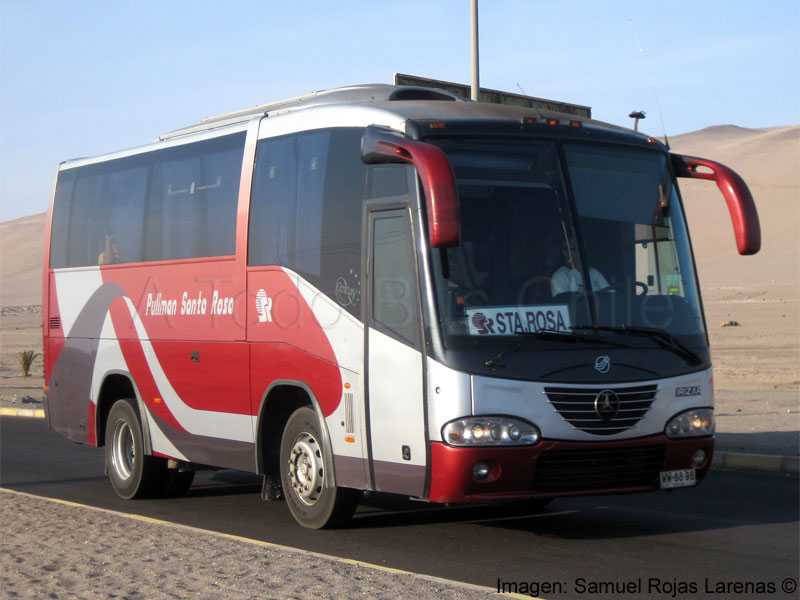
(583, 407)
(566, 470)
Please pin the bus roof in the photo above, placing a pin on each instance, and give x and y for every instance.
(382, 104)
(397, 101)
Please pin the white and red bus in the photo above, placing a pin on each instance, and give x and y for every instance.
(382, 288)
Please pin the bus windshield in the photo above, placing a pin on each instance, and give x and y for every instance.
(582, 238)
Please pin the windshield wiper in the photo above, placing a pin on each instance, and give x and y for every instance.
(542, 334)
(659, 336)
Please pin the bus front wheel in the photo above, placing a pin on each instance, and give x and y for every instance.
(132, 473)
(304, 466)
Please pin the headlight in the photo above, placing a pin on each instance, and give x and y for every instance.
(692, 423)
(490, 431)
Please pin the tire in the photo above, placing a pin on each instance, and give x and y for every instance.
(132, 473)
(303, 465)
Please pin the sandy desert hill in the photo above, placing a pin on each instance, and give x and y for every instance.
(768, 159)
(21, 242)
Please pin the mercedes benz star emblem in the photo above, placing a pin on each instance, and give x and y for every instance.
(606, 405)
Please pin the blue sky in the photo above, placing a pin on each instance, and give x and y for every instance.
(83, 78)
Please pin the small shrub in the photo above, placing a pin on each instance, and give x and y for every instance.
(26, 359)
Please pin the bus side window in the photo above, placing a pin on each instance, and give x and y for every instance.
(384, 181)
(306, 210)
(118, 228)
(195, 202)
(183, 199)
(393, 292)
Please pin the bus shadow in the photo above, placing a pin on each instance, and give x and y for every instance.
(706, 508)
(602, 517)
(223, 483)
(382, 511)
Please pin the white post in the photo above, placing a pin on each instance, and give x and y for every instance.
(475, 79)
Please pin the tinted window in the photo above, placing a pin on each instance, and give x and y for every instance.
(98, 216)
(394, 290)
(306, 209)
(174, 203)
(387, 181)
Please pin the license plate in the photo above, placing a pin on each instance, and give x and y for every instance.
(677, 479)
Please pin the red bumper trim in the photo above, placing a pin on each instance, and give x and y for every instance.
(514, 469)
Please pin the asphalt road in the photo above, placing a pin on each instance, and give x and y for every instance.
(736, 533)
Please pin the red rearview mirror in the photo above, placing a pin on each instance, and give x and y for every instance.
(741, 206)
(435, 173)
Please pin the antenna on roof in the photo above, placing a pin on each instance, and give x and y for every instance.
(652, 85)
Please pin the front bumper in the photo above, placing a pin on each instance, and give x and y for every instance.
(555, 468)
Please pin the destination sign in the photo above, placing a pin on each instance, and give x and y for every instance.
(508, 320)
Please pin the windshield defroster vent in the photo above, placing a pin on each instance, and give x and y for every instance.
(600, 410)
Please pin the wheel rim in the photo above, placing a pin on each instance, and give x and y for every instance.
(123, 450)
(306, 471)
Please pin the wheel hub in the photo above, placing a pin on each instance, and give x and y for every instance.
(123, 450)
(306, 472)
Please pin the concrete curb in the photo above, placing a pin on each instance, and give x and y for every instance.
(765, 463)
(36, 413)
(722, 461)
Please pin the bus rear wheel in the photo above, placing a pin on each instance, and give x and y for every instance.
(132, 473)
(303, 466)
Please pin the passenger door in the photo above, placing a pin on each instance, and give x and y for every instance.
(395, 390)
